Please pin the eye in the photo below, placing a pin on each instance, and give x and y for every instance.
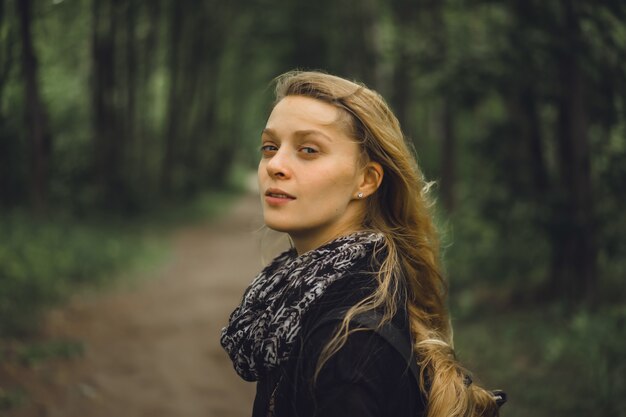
(308, 150)
(268, 149)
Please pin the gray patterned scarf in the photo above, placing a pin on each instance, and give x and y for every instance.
(264, 327)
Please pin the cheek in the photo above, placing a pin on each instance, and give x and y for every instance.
(261, 178)
(261, 170)
(332, 182)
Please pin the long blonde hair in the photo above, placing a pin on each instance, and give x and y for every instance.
(410, 270)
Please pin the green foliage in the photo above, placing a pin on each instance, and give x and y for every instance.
(32, 354)
(44, 261)
(505, 100)
(595, 341)
(549, 365)
(11, 399)
(508, 259)
(204, 206)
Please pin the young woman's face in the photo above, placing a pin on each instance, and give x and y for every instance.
(309, 173)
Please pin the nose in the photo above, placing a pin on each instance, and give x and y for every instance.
(278, 165)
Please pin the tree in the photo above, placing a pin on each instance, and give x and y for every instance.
(40, 137)
(575, 252)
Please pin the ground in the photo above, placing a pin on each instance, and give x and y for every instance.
(152, 348)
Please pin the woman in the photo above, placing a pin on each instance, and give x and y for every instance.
(352, 320)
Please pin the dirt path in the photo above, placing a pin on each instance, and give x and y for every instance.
(154, 350)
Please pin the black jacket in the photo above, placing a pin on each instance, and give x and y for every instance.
(367, 377)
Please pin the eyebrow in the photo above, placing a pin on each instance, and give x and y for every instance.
(300, 133)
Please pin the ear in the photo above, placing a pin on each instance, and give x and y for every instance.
(372, 178)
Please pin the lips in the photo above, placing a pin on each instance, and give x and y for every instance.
(278, 193)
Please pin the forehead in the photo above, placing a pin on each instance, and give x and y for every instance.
(304, 111)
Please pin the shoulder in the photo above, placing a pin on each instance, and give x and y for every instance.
(370, 342)
(367, 376)
(366, 351)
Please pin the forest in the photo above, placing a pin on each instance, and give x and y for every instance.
(113, 112)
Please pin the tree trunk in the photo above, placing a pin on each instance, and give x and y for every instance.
(105, 122)
(173, 113)
(401, 82)
(448, 157)
(6, 49)
(354, 51)
(8, 183)
(145, 94)
(532, 132)
(574, 248)
(405, 15)
(434, 13)
(310, 45)
(528, 174)
(40, 137)
(131, 75)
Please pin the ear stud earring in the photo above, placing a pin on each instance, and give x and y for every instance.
(360, 195)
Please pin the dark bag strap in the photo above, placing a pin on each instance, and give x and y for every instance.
(371, 320)
(400, 341)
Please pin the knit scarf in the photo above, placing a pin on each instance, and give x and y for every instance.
(262, 330)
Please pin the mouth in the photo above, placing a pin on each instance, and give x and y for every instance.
(276, 193)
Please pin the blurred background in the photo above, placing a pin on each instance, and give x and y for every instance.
(123, 120)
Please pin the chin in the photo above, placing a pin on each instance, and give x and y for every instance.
(278, 226)
(277, 229)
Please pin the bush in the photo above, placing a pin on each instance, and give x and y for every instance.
(42, 262)
(549, 363)
(593, 345)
